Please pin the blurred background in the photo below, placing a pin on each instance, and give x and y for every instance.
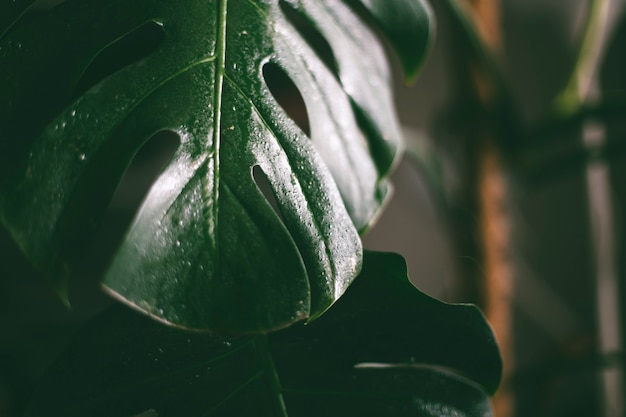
(511, 195)
(537, 239)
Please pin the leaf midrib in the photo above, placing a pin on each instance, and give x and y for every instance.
(220, 69)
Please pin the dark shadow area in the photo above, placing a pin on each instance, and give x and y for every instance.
(287, 95)
(35, 324)
(133, 47)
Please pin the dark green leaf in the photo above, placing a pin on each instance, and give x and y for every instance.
(394, 391)
(10, 12)
(383, 318)
(85, 85)
(382, 349)
(409, 26)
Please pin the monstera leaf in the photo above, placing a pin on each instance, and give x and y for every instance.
(384, 349)
(86, 84)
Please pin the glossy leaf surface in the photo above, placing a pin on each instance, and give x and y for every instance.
(383, 349)
(86, 84)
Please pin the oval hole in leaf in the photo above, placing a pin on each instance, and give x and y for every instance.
(311, 35)
(287, 95)
(146, 166)
(264, 185)
(130, 48)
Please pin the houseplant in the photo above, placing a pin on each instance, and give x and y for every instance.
(250, 235)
